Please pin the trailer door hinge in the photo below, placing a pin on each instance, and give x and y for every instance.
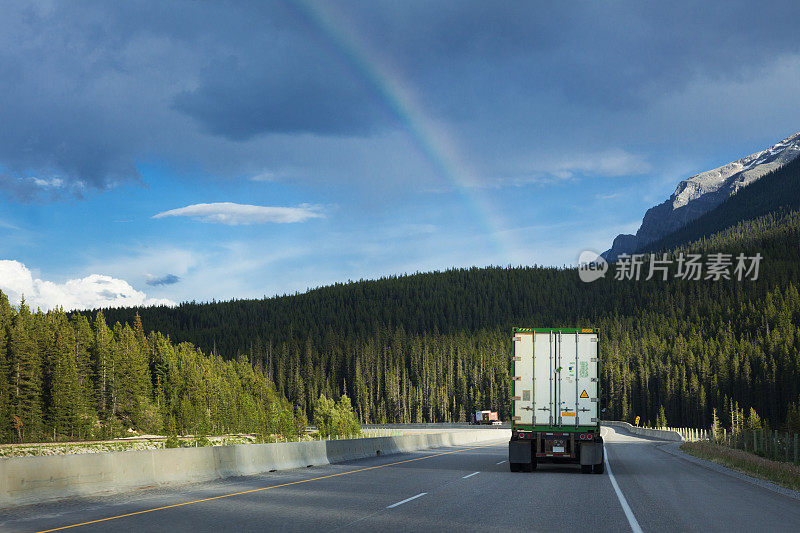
(594, 380)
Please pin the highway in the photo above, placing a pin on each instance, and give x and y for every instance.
(457, 488)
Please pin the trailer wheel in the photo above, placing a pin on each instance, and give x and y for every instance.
(599, 468)
(586, 469)
(534, 464)
(514, 467)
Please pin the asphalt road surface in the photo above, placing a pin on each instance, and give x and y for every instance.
(445, 489)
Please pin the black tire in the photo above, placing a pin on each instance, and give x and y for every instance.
(514, 467)
(527, 467)
(586, 469)
(599, 468)
(534, 464)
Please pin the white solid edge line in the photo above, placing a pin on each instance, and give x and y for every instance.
(635, 527)
(469, 475)
(501, 462)
(406, 500)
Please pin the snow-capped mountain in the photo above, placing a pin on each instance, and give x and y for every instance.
(702, 192)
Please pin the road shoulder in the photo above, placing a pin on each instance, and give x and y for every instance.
(673, 449)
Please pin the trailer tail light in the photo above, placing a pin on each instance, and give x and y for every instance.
(586, 436)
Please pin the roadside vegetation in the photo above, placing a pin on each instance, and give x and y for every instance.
(65, 378)
(175, 441)
(122, 445)
(335, 419)
(750, 446)
(780, 472)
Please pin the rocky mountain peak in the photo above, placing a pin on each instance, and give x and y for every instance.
(702, 192)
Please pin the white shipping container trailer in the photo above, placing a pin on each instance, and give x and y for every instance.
(556, 399)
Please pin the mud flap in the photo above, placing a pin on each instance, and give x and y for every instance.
(591, 453)
(519, 451)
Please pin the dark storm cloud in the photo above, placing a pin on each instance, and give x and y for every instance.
(169, 279)
(308, 95)
(91, 90)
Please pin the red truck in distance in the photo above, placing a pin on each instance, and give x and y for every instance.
(487, 418)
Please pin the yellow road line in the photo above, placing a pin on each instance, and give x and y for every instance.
(262, 488)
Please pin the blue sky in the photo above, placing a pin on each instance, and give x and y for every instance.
(373, 138)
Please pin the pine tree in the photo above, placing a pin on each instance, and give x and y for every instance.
(661, 419)
(66, 402)
(131, 376)
(25, 369)
(793, 417)
(6, 315)
(103, 368)
(754, 422)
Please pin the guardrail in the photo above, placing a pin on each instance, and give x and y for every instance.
(770, 444)
(693, 434)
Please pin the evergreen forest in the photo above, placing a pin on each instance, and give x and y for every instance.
(425, 347)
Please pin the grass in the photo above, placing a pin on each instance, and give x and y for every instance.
(784, 474)
(26, 450)
(156, 443)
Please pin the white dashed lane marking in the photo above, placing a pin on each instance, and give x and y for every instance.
(406, 500)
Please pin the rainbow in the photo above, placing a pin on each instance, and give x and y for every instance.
(430, 137)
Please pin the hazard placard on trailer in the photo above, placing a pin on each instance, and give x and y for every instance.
(583, 394)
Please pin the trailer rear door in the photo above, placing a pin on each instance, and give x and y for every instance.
(555, 378)
(523, 378)
(545, 384)
(577, 391)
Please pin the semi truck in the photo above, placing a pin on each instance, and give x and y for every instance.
(556, 399)
(486, 418)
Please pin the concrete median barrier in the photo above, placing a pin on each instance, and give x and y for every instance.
(663, 434)
(26, 480)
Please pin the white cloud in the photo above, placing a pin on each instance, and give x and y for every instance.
(7, 225)
(606, 196)
(264, 176)
(610, 163)
(550, 168)
(56, 183)
(239, 214)
(93, 291)
(139, 263)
